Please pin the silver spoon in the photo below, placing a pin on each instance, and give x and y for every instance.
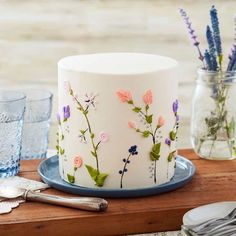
(83, 203)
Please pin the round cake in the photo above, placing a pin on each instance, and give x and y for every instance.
(118, 120)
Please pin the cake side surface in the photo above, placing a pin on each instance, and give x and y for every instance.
(117, 130)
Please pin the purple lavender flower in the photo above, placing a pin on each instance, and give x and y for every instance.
(208, 60)
(191, 32)
(175, 106)
(212, 50)
(66, 112)
(58, 118)
(216, 33)
(232, 59)
(167, 141)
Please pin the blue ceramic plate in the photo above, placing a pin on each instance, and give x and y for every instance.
(49, 172)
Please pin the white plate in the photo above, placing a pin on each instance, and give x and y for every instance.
(207, 212)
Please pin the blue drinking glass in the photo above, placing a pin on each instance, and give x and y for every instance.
(12, 107)
(36, 124)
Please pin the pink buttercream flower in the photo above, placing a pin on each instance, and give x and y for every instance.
(147, 98)
(103, 137)
(67, 86)
(161, 121)
(132, 125)
(78, 162)
(125, 96)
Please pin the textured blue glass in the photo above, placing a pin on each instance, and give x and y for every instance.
(36, 124)
(12, 106)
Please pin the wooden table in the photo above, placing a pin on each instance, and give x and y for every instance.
(214, 181)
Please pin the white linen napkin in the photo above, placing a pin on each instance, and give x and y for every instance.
(7, 205)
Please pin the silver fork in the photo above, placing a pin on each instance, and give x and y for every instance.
(214, 230)
(225, 231)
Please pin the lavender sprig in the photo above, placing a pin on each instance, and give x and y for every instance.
(208, 60)
(212, 50)
(234, 28)
(232, 58)
(191, 32)
(216, 34)
(232, 55)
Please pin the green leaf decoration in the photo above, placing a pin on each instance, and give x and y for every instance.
(93, 153)
(75, 168)
(156, 148)
(61, 151)
(154, 156)
(101, 179)
(85, 113)
(71, 178)
(155, 153)
(172, 135)
(57, 147)
(83, 131)
(98, 178)
(149, 119)
(92, 135)
(146, 107)
(65, 120)
(170, 157)
(92, 172)
(130, 102)
(137, 109)
(146, 133)
(62, 137)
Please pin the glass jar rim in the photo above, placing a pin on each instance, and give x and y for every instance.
(213, 77)
(211, 72)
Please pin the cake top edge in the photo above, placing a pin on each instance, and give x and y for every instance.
(117, 63)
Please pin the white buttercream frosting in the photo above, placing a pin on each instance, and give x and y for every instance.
(93, 81)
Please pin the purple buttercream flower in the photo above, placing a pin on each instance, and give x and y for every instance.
(66, 112)
(167, 141)
(175, 106)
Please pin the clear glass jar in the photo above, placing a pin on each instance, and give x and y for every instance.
(213, 121)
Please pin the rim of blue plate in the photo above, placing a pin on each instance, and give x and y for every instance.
(173, 184)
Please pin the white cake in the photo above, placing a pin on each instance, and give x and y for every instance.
(117, 120)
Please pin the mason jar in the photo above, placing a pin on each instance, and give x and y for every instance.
(214, 115)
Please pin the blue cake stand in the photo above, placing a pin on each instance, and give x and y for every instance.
(49, 173)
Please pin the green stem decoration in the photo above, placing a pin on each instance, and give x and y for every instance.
(155, 153)
(95, 173)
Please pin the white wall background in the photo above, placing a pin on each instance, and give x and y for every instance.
(34, 35)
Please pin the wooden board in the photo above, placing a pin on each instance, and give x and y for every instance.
(214, 181)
